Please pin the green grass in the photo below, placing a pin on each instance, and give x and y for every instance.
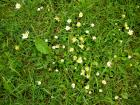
(34, 59)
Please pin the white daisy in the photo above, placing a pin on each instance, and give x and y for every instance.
(87, 32)
(130, 32)
(73, 85)
(116, 97)
(89, 92)
(100, 90)
(68, 28)
(71, 49)
(92, 24)
(46, 40)
(81, 39)
(82, 72)
(38, 9)
(74, 58)
(78, 24)
(38, 82)
(74, 39)
(126, 26)
(41, 7)
(18, 6)
(81, 46)
(62, 60)
(123, 15)
(69, 21)
(97, 74)
(94, 38)
(87, 69)
(80, 14)
(79, 60)
(16, 47)
(88, 76)
(104, 82)
(56, 70)
(53, 63)
(25, 35)
(109, 64)
(56, 37)
(87, 87)
(63, 46)
(129, 56)
(53, 47)
(57, 18)
(57, 46)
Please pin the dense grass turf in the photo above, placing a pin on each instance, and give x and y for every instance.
(45, 59)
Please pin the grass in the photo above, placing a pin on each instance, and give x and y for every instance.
(33, 73)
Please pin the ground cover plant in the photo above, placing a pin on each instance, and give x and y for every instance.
(69, 52)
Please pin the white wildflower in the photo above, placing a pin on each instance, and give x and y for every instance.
(89, 92)
(74, 39)
(123, 15)
(81, 46)
(94, 38)
(116, 97)
(80, 14)
(74, 58)
(57, 18)
(38, 82)
(53, 63)
(63, 46)
(68, 28)
(82, 72)
(16, 47)
(126, 26)
(62, 60)
(130, 32)
(69, 21)
(100, 90)
(79, 60)
(109, 64)
(97, 74)
(129, 56)
(104, 82)
(56, 70)
(40, 8)
(56, 37)
(87, 68)
(46, 40)
(78, 24)
(71, 49)
(57, 46)
(53, 47)
(88, 76)
(87, 32)
(116, 24)
(18, 6)
(25, 35)
(92, 24)
(81, 39)
(73, 85)
(87, 87)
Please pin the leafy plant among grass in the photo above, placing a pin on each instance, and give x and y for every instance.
(69, 52)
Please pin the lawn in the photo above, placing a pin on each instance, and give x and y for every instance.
(69, 52)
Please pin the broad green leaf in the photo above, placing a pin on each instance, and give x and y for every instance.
(42, 46)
